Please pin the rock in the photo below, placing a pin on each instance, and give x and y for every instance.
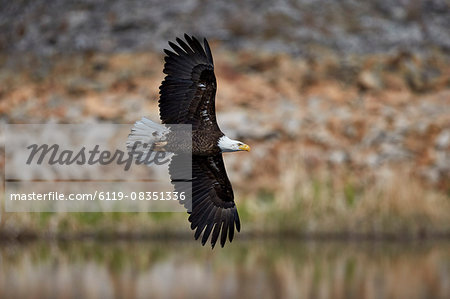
(374, 137)
(67, 26)
(102, 108)
(338, 157)
(369, 80)
(443, 140)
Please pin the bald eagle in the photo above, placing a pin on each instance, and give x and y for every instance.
(187, 96)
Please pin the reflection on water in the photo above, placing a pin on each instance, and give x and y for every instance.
(294, 269)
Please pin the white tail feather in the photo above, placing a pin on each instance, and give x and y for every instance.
(144, 134)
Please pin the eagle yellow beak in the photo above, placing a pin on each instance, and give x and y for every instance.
(244, 147)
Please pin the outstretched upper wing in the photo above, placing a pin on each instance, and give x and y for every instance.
(213, 207)
(189, 89)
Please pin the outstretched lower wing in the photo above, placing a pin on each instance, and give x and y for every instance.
(187, 94)
(213, 209)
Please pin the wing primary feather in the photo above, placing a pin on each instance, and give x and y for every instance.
(236, 219)
(206, 233)
(188, 39)
(223, 237)
(201, 201)
(170, 53)
(208, 51)
(178, 60)
(210, 223)
(205, 215)
(185, 47)
(204, 220)
(199, 230)
(231, 228)
(177, 49)
(218, 221)
(196, 215)
(197, 46)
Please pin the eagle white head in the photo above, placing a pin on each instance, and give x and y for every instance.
(229, 145)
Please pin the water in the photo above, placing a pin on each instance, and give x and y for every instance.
(247, 268)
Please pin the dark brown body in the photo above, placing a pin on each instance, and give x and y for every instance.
(178, 141)
(203, 145)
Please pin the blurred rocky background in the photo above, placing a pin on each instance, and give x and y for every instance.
(346, 104)
(301, 28)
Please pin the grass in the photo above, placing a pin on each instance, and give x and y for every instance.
(386, 202)
(306, 203)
